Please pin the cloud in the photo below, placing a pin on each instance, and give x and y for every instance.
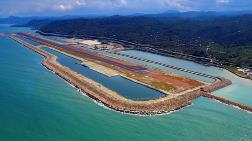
(124, 2)
(222, 1)
(63, 7)
(178, 5)
(67, 7)
(80, 3)
(70, 5)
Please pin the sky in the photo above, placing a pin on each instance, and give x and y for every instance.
(111, 7)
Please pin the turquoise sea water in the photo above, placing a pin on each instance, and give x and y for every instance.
(36, 105)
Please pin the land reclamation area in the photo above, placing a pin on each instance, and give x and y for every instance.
(157, 79)
(183, 89)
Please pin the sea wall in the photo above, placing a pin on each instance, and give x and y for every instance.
(219, 83)
(229, 102)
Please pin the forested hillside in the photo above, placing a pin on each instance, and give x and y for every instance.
(226, 38)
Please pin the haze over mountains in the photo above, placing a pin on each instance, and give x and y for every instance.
(170, 13)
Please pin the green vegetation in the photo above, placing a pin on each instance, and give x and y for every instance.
(227, 39)
(235, 71)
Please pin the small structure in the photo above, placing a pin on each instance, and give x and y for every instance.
(96, 45)
(90, 42)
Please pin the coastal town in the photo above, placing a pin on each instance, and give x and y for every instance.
(241, 72)
(247, 72)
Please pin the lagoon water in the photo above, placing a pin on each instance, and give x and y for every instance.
(36, 105)
(122, 86)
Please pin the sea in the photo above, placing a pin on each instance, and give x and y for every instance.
(37, 105)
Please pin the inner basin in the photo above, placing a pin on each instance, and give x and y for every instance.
(121, 85)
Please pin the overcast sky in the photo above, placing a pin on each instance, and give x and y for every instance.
(82, 7)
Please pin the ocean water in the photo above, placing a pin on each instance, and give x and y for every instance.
(36, 105)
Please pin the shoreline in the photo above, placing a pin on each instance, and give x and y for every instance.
(175, 56)
(118, 103)
(238, 75)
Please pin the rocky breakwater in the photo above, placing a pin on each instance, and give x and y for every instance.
(229, 102)
(218, 84)
(114, 101)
